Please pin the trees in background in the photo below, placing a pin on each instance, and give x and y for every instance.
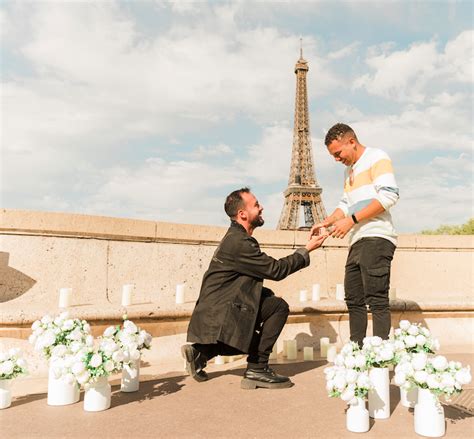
(463, 229)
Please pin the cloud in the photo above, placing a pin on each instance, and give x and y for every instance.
(408, 75)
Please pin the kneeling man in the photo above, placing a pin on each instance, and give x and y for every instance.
(234, 313)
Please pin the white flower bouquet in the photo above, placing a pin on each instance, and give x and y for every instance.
(348, 378)
(378, 352)
(413, 337)
(442, 377)
(130, 339)
(60, 336)
(97, 363)
(12, 364)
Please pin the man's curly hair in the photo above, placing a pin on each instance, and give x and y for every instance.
(336, 132)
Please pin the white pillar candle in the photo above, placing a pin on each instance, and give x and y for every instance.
(180, 293)
(323, 346)
(392, 294)
(303, 296)
(339, 292)
(316, 292)
(291, 349)
(332, 352)
(308, 354)
(127, 291)
(285, 350)
(219, 360)
(65, 296)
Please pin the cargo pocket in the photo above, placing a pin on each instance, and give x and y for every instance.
(378, 280)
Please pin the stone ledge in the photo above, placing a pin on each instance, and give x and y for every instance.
(152, 312)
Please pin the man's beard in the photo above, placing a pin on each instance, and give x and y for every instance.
(257, 222)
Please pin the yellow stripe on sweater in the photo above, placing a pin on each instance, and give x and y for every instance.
(379, 168)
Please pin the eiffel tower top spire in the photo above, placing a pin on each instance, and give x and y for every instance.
(303, 189)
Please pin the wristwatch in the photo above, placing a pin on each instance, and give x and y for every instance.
(354, 219)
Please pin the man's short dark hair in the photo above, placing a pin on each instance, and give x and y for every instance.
(234, 202)
(336, 132)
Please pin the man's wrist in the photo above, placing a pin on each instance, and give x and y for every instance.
(354, 218)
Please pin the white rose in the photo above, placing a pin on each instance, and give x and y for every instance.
(386, 354)
(76, 346)
(360, 361)
(78, 367)
(109, 347)
(351, 376)
(419, 361)
(148, 340)
(439, 362)
(330, 385)
(68, 325)
(398, 345)
(130, 327)
(59, 351)
(376, 341)
(36, 325)
(432, 382)
(89, 340)
(339, 360)
(420, 340)
(425, 331)
(435, 345)
(46, 320)
(447, 380)
(348, 394)
(48, 338)
(413, 330)
(397, 332)
(400, 378)
(21, 363)
(420, 376)
(118, 356)
(339, 383)
(347, 349)
(6, 368)
(86, 327)
(404, 324)
(75, 335)
(96, 360)
(109, 366)
(134, 355)
(32, 339)
(363, 381)
(109, 332)
(69, 378)
(407, 368)
(349, 362)
(463, 376)
(83, 377)
(410, 341)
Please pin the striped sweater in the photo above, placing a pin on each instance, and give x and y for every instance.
(372, 179)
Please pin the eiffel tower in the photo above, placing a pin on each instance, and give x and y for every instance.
(303, 191)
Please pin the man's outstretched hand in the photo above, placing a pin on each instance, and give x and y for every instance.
(315, 242)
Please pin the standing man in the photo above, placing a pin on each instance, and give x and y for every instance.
(370, 191)
(234, 313)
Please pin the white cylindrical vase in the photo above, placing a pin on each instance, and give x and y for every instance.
(408, 397)
(60, 392)
(97, 396)
(131, 377)
(379, 395)
(5, 394)
(357, 417)
(429, 415)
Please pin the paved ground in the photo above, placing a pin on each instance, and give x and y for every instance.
(175, 406)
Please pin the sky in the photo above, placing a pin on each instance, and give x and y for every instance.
(157, 110)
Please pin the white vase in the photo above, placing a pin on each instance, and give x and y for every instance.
(131, 378)
(61, 392)
(408, 397)
(97, 396)
(379, 395)
(357, 417)
(429, 415)
(5, 394)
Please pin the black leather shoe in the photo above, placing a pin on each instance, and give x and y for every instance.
(266, 378)
(195, 362)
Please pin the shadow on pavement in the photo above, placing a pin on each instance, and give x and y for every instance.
(20, 400)
(148, 390)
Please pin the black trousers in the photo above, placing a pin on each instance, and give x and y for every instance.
(367, 282)
(272, 315)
